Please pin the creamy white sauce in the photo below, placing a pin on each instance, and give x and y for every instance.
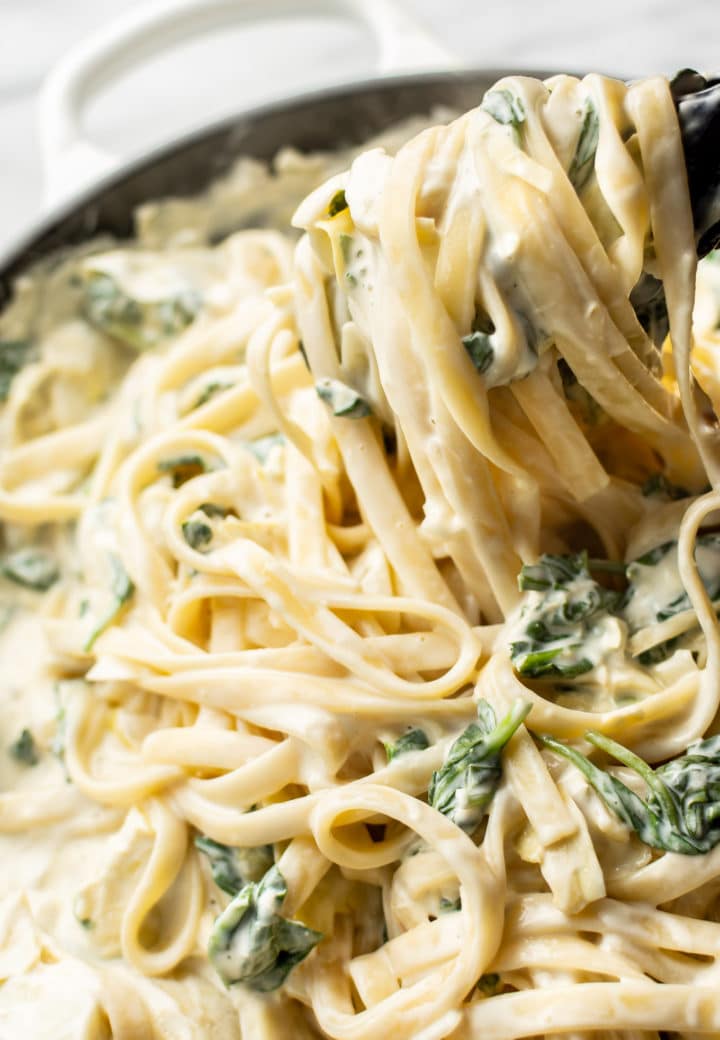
(657, 586)
(596, 641)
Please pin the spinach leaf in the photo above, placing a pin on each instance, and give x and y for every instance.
(413, 740)
(463, 788)
(449, 906)
(121, 591)
(583, 161)
(652, 597)
(59, 739)
(262, 446)
(480, 350)
(649, 303)
(231, 867)
(337, 203)
(210, 391)
(556, 623)
(140, 324)
(478, 343)
(251, 944)
(658, 653)
(651, 557)
(197, 533)
(639, 574)
(23, 749)
(212, 509)
(681, 811)
(505, 108)
(553, 572)
(658, 486)
(489, 984)
(34, 568)
(14, 355)
(183, 467)
(342, 399)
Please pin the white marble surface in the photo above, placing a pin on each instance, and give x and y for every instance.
(219, 74)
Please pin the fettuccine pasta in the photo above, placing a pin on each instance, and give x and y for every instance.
(360, 658)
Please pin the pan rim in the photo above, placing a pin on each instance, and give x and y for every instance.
(23, 250)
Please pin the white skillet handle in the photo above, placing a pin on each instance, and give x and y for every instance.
(71, 162)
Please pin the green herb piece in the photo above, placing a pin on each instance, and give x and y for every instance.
(658, 486)
(337, 203)
(681, 812)
(583, 161)
(651, 557)
(649, 600)
(24, 750)
(85, 922)
(598, 566)
(658, 653)
(707, 550)
(121, 590)
(183, 467)
(342, 399)
(139, 324)
(413, 740)
(351, 254)
(232, 868)
(251, 944)
(212, 509)
(262, 446)
(57, 745)
(14, 355)
(197, 533)
(210, 391)
(450, 906)
(505, 108)
(479, 349)
(489, 984)
(558, 622)
(650, 306)
(463, 788)
(33, 568)
(478, 342)
(552, 572)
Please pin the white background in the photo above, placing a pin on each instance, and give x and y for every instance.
(220, 74)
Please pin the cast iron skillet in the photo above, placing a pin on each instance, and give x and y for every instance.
(320, 121)
(325, 120)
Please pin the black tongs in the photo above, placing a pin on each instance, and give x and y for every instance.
(697, 101)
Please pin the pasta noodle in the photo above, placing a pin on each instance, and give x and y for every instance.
(358, 597)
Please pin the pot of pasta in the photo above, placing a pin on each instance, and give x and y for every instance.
(359, 571)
